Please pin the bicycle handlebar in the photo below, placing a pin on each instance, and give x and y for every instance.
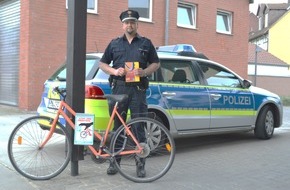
(116, 98)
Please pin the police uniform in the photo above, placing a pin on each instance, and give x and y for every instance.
(120, 51)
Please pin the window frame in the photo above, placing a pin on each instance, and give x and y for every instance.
(150, 12)
(229, 19)
(92, 11)
(193, 10)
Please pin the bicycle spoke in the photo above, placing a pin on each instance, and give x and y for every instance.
(158, 149)
(32, 161)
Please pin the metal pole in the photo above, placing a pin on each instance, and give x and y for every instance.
(257, 49)
(256, 59)
(76, 59)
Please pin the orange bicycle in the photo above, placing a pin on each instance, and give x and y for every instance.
(39, 147)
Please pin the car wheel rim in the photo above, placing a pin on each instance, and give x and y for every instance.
(269, 123)
(153, 136)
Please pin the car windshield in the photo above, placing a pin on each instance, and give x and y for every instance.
(60, 74)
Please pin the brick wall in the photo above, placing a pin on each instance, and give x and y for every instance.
(278, 85)
(42, 47)
(44, 29)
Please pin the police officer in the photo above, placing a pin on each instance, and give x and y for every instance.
(130, 47)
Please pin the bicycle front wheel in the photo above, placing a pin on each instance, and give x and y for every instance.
(34, 162)
(156, 157)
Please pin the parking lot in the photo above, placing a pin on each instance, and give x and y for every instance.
(232, 161)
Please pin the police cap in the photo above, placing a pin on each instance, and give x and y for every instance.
(129, 15)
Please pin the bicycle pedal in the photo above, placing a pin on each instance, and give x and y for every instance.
(98, 159)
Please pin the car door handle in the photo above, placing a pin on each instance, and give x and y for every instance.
(216, 96)
(168, 94)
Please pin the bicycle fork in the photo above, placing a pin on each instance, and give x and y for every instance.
(55, 120)
(51, 131)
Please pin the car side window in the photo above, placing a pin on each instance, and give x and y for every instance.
(176, 71)
(218, 76)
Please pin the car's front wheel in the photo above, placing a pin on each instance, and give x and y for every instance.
(265, 124)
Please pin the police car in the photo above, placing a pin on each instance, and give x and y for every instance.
(189, 94)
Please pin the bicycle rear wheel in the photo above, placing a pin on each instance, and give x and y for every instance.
(158, 149)
(29, 159)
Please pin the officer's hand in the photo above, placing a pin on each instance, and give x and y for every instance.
(140, 72)
(120, 72)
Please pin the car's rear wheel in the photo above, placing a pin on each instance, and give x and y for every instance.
(265, 123)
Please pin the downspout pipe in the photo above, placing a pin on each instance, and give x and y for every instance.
(166, 35)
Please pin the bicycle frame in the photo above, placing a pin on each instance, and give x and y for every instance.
(134, 142)
(102, 152)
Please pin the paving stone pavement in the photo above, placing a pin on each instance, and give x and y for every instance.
(234, 162)
(91, 176)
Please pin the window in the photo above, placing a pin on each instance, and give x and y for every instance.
(224, 22)
(186, 15)
(60, 75)
(175, 71)
(144, 8)
(260, 23)
(92, 6)
(217, 76)
(266, 20)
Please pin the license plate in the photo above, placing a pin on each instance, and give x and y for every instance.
(53, 104)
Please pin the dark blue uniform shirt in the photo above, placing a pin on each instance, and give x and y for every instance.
(120, 51)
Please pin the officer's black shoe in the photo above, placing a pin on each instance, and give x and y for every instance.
(112, 170)
(140, 168)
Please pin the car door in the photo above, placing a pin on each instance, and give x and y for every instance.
(187, 101)
(232, 106)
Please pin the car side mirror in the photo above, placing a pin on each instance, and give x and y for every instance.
(247, 83)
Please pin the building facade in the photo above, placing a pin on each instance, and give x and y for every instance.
(267, 71)
(33, 36)
(270, 58)
(280, 41)
(273, 31)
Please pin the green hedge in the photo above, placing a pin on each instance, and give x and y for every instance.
(286, 100)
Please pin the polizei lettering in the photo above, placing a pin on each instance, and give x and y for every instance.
(237, 100)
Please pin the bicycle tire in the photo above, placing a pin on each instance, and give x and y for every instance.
(159, 150)
(31, 161)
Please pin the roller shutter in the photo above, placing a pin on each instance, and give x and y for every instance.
(9, 51)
